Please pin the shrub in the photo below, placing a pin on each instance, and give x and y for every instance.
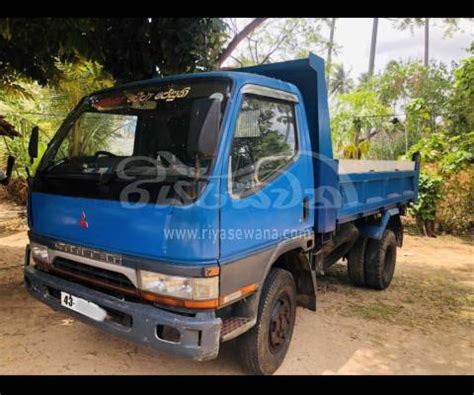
(16, 191)
(424, 209)
(455, 211)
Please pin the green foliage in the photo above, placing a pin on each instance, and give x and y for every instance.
(128, 48)
(46, 107)
(402, 82)
(19, 149)
(77, 79)
(421, 94)
(418, 116)
(429, 195)
(461, 104)
(450, 153)
(437, 107)
(31, 46)
(452, 147)
(358, 117)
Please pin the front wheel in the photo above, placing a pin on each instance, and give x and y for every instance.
(263, 348)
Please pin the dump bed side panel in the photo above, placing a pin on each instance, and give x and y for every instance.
(367, 187)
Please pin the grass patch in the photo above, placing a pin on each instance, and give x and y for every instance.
(374, 311)
(411, 300)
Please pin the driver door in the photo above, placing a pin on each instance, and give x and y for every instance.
(269, 180)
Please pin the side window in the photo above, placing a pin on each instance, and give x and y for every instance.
(264, 142)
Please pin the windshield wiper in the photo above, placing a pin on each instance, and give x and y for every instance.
(110, 176)
(53, 165)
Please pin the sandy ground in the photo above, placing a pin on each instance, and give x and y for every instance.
(421, 325)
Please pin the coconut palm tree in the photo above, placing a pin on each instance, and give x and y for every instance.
(449, 25)
(330, 46)
(427, 42)
(373, 44)
(340, 81)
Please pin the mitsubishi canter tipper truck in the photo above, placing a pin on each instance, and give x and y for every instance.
(186, 211)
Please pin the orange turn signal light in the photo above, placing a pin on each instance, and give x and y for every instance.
(187, 303)
(211, 271)
(198, 304)
(223, 300)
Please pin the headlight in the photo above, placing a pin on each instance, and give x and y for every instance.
(39, 253)
(191, 288)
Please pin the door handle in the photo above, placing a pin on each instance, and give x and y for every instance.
(305, 208)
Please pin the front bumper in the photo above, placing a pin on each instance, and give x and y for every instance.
(199, 335)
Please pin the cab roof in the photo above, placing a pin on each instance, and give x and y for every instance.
(238, 77)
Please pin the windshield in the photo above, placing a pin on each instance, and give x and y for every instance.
(148, 127)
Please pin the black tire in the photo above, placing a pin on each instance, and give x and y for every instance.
(356, 262)
(380, 259)
(263, 348)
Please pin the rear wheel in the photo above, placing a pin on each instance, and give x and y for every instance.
(263, 348)
(356, 262)
(380, 261)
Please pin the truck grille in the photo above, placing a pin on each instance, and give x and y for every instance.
(94, 273)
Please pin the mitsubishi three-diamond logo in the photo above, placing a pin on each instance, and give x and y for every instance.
(83, 221)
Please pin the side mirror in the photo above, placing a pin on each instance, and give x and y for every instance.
(204, 127)
(5, 177)
(33, 144)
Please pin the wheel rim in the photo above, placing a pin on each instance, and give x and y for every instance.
(389, 265)
(280, 323)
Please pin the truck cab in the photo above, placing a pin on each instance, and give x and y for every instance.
(186, 211)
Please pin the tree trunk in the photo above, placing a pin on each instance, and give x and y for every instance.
(373, 45)
(430, 228)
(420, 224)
(427, 42)
(247, 30)
(331, 43)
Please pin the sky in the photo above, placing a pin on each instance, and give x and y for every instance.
(353, 36)
(396, 44)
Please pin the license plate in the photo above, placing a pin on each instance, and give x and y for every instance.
(83, 306)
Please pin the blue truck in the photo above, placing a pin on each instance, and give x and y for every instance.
(187, 211)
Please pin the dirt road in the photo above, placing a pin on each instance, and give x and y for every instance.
(421, 325)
